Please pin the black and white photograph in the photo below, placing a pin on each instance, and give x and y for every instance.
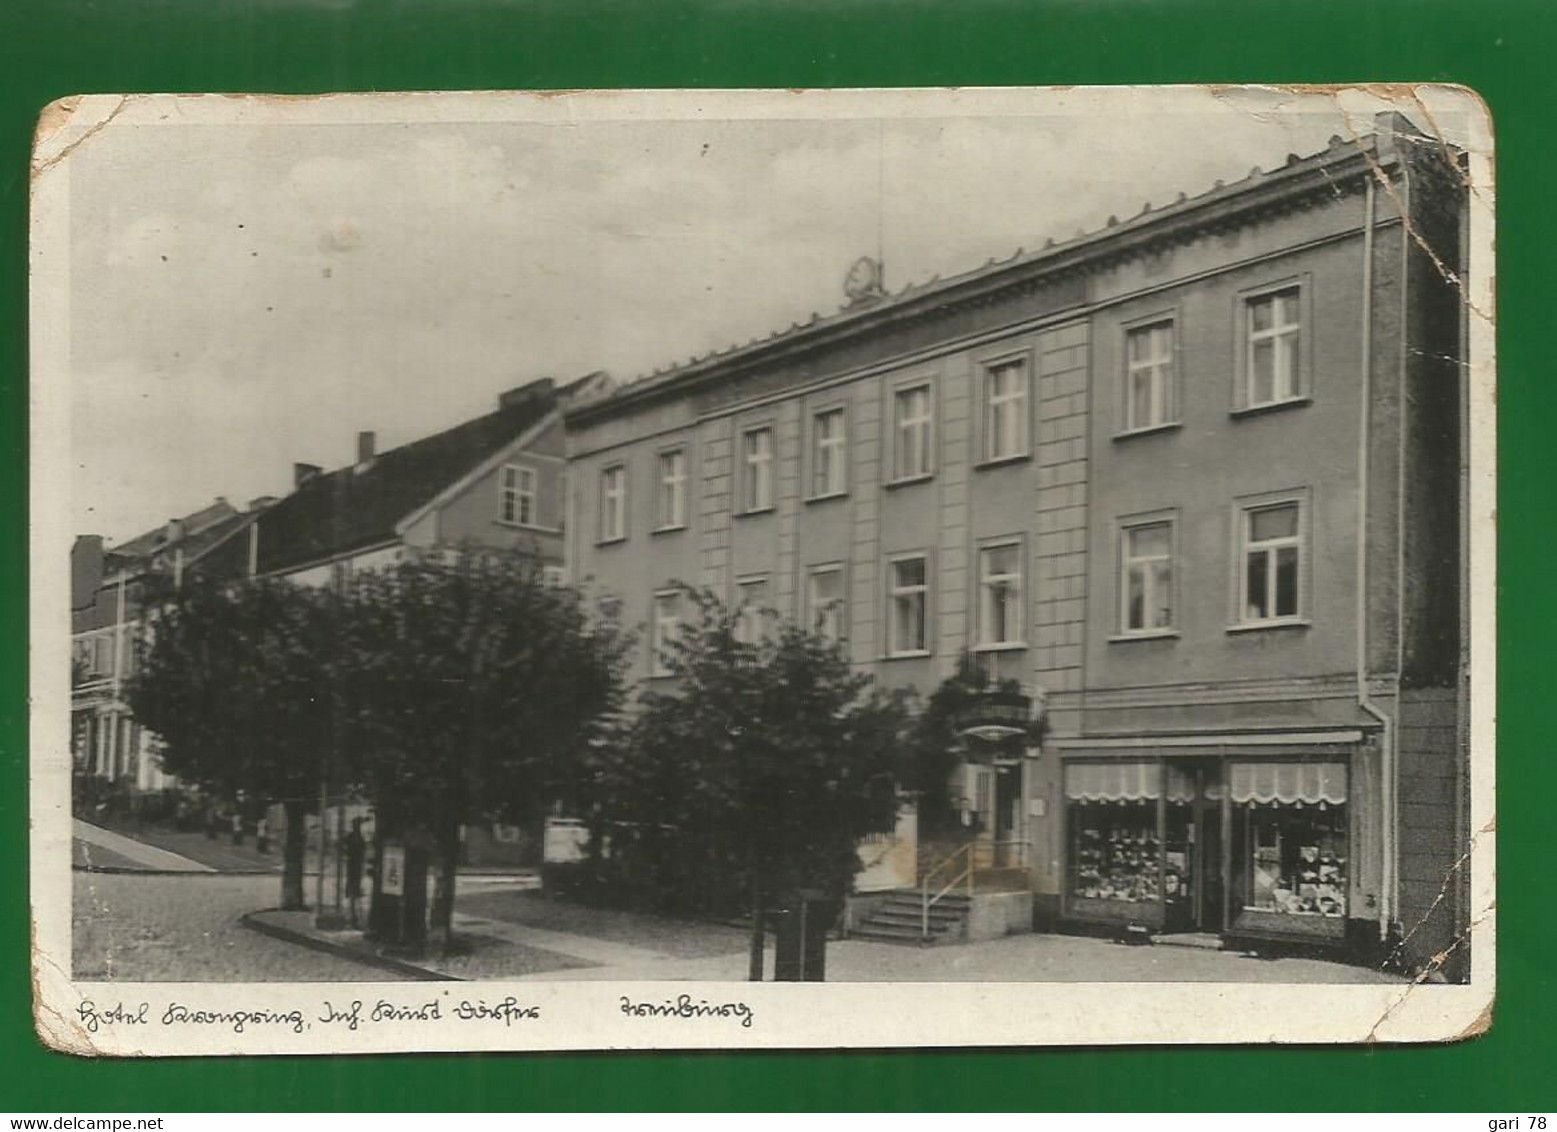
(762, 568)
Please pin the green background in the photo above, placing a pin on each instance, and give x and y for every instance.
(50, 48)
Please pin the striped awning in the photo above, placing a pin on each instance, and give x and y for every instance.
(1287, 783)
(1113, 781)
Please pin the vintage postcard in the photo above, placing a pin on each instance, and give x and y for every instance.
(752, 569)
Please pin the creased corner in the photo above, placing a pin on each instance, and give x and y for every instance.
(66, 123)
(56, 1028)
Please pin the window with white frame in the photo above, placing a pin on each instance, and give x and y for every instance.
(613, 503)
(1146, 577)
(757, 461)
(913, 427)
(824, 602)
(1270, 577)
(671, 500)
(751, 599)
(609, 609)
(516, 500)
(1005, 409)
(1149, 375)
(1000, 594)
(666, 629)
(827, 453)
(1274, 326)
(910, 590)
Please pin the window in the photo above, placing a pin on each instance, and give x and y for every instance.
(1149, 376)
(757, 457)
(912, 427)
(1005, 410)
(751, 596)
(1272, 363)
(906, 623)
(613, 503)
(666, 629)
(516, 499)
(1290, 843)
(1000, 595)
(827, 453)
(1272, 560)
(610, 610)
(671, 502)
(824, 601)
(1146, 578)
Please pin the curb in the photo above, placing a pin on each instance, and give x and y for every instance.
(368, 958)
(127, 870)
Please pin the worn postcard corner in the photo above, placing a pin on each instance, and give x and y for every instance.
(762, 569)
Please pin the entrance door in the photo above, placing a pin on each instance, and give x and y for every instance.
(1008, 801)
(1192, 849)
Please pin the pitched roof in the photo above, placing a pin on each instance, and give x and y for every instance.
(355, 507)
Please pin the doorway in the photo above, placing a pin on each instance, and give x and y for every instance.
(1194, 887)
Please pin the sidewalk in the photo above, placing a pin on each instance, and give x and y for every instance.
(649, 948)
(101, 848)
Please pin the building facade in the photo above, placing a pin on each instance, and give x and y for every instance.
(1193, 480)
(108, 591)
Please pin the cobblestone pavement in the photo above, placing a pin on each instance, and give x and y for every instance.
(186, 929)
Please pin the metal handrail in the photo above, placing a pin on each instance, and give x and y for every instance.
(968, 873)
(927, 901)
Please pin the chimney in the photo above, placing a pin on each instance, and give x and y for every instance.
(173, 531)
(365, 442)
(541, 387)
(260, 502)
(302, 473)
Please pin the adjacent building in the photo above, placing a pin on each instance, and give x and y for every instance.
(1193, 480)
(108, 589)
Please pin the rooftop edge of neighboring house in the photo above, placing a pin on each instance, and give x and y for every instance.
(187, 537)
(359, 506)
(1343, 159)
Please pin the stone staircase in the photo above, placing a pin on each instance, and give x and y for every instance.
(901, 920)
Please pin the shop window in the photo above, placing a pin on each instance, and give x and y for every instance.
(1290, 824)
(1115, 848)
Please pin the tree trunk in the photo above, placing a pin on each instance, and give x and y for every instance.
(292, 856)
(759, 928)
(447, 855)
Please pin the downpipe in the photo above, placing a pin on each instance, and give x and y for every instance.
(1388, 900)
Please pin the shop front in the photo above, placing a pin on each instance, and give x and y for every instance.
(1236, 845)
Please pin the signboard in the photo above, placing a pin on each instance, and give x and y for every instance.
(394, 870)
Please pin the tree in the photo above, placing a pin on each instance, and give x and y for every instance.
(765, 761)
(473, 687)
(936, 745)
(236, 681)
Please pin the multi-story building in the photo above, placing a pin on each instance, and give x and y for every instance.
(493, 481)
(108, 591)
(1193, 480)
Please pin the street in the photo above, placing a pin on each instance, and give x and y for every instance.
(185, 928)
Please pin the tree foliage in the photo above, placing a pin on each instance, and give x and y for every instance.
(236, 680)
(757, 766)
(474, 688)
(936, 746)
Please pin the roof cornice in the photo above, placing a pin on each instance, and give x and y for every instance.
(1336, 171)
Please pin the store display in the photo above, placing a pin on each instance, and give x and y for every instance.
(1117, 854)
